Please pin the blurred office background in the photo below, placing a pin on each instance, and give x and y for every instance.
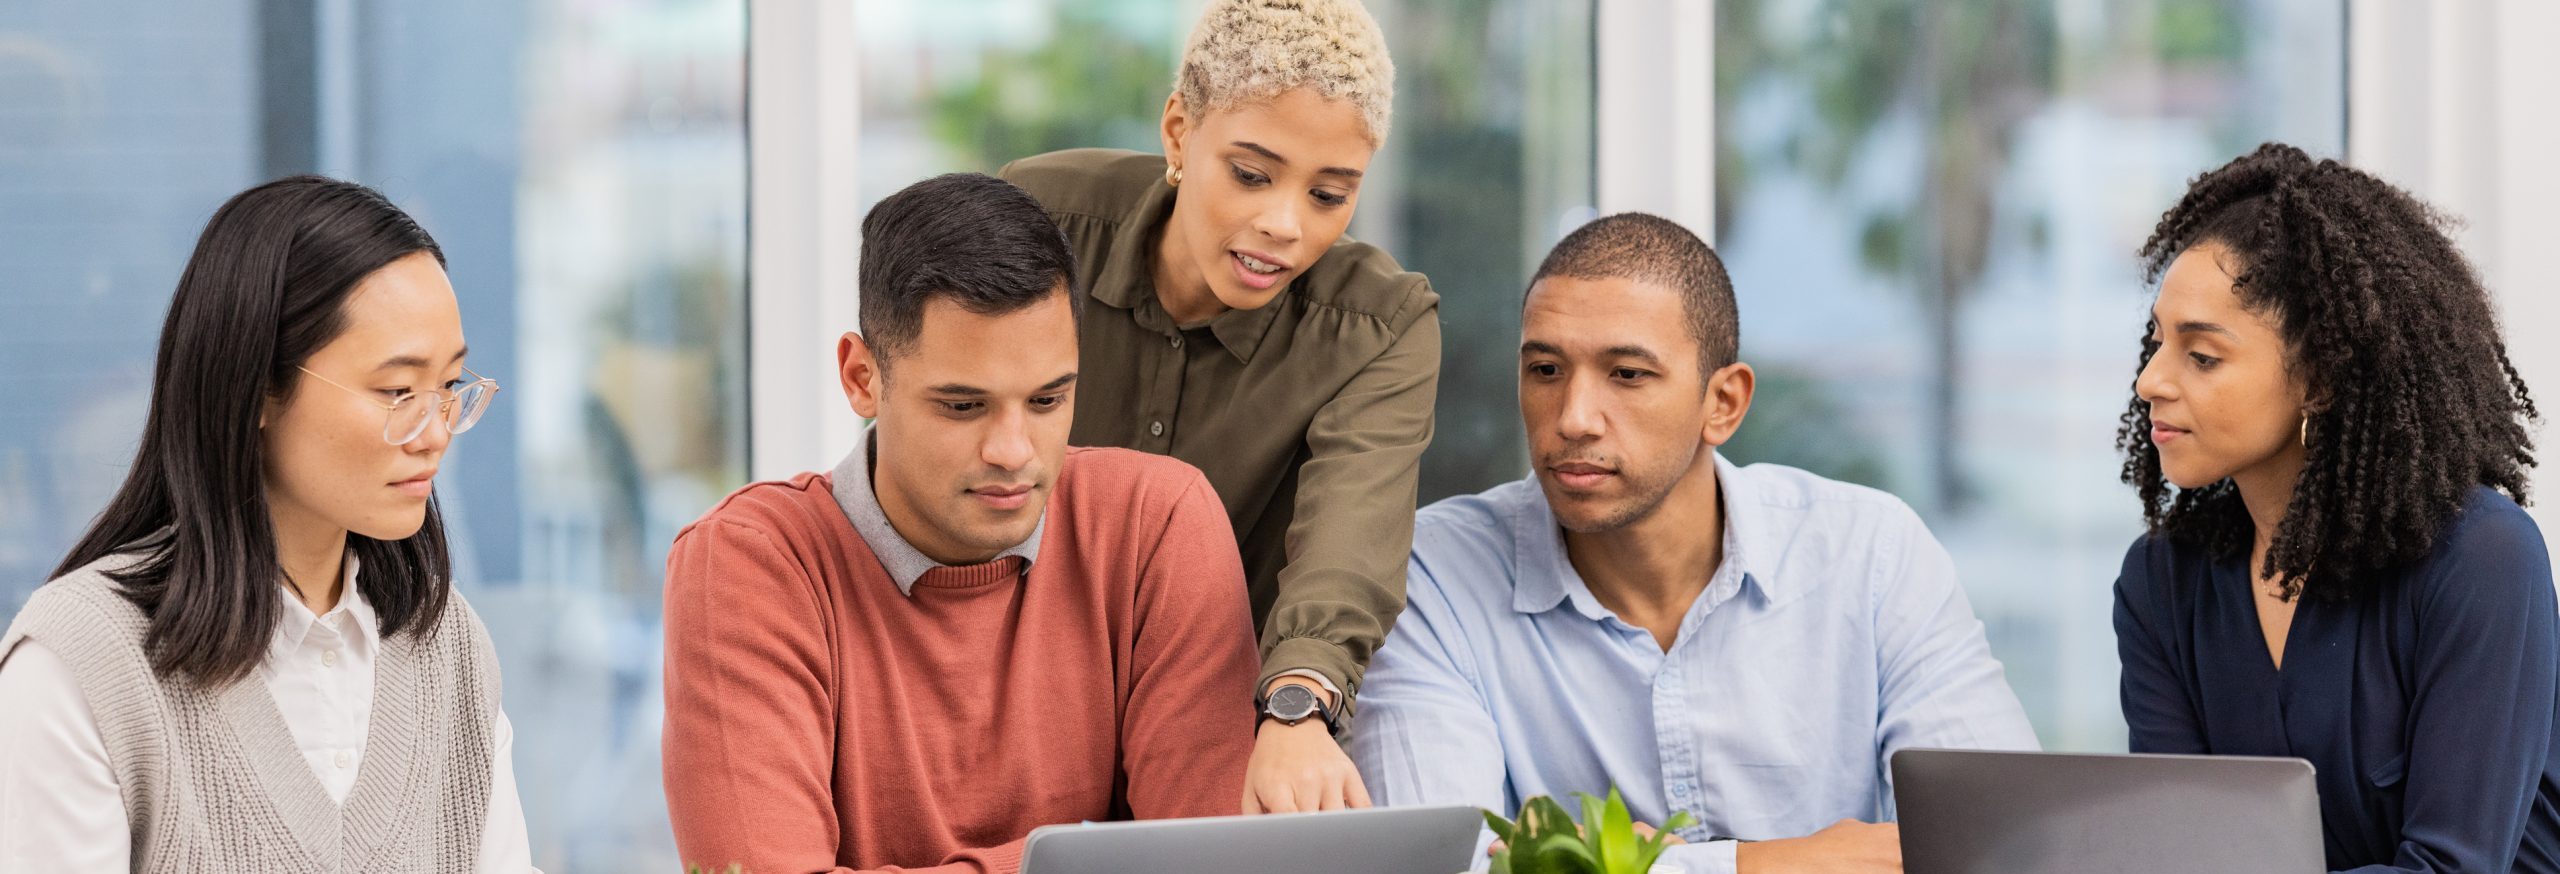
(1929, 210)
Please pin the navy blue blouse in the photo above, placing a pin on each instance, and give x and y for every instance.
(2427, 707)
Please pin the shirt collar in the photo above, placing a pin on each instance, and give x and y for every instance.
(1545, 574)
(1241, 331)
(353, 618)
(1127, 280)
(851, 483)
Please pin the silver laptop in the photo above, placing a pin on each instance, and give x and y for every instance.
(1378, 840)
(1969, 811)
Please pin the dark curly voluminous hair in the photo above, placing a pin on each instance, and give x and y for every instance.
(2412, 399)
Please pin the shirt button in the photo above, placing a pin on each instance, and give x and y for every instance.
(1177, 341)
(1155, 429)
(343, 759)
(328, 658)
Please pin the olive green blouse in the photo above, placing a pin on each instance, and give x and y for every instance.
(1309, 415)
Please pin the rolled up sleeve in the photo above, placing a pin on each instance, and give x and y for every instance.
(1343, 584)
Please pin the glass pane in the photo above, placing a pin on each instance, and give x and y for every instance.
(583, 163)
(1930, 212)
(1488, 164)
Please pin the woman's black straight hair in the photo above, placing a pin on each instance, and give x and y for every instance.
(266, 288)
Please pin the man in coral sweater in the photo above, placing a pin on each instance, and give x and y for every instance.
(966, 630)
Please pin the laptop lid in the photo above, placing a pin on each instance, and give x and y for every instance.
(1378, 840)
(1974, 812)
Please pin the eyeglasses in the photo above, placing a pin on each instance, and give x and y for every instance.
(460, 408)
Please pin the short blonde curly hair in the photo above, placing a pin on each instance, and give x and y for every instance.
(1248, 50)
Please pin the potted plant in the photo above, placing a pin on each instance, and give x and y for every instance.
(1546, 840)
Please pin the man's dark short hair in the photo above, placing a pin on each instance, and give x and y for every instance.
(970, 238)
(1658, 251)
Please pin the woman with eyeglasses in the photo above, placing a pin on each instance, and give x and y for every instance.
(255, 659)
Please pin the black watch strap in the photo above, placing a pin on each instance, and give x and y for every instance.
(1290, 709)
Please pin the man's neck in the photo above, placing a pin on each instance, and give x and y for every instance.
(1650, 571)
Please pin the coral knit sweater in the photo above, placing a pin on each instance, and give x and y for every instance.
(819, 720)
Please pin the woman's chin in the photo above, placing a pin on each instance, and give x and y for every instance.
(2188, 480)
(392, 526)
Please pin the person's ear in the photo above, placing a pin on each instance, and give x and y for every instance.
(2309, 398)
(1728, 400)
(269, 408)
(858, 367)
(1177, 125)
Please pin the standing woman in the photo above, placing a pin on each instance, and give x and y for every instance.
(2330, 446)
(1239, 330)
(255, 660)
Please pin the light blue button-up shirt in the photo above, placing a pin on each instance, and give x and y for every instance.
(1834, 634)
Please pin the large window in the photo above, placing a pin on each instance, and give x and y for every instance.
(1929, 209)
(1489, 162)
(1930, 212)
(583, 165)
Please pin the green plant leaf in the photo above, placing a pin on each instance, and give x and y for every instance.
(1648, 847)
(1560, 853)
(1679, 820)
(1551, 818)
(1502, 828)
(1545, 840)
(1594, 820)
(1617, 838)
(1652, 847)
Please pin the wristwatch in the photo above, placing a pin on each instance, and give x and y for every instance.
(1292, 703)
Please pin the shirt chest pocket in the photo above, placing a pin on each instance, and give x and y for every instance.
(1758, 791)
(1752, 776)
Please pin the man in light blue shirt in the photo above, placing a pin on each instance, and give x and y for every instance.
(1749, 645)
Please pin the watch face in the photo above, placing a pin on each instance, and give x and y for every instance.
(1293, 702)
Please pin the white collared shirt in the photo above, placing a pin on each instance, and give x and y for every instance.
(59, 806)
(319, 669)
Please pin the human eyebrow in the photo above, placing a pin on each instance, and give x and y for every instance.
(397, 362)
(1259, 149)
(1636, 352)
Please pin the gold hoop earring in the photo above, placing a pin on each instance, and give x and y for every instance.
(2306, 432)
(1173, 175)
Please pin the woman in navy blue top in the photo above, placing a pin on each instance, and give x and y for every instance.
(2331, 451)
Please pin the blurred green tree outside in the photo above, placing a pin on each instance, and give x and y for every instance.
(1090, 84)
(1971, 74)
